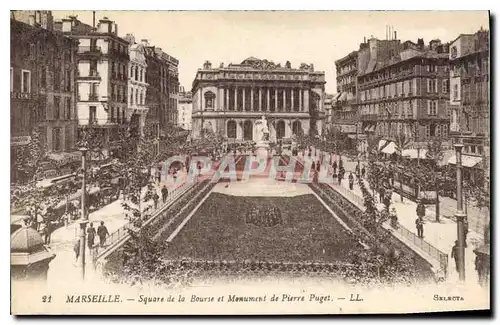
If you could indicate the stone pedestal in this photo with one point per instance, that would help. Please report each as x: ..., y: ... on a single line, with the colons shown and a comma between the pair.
x: 262, y: 149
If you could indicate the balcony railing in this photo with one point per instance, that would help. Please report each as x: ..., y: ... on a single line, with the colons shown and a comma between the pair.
x: 89, y: 50
x: 92, y: 75
x: 93, y: 98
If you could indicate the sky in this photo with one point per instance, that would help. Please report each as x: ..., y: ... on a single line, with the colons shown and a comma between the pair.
x: 318, y: 37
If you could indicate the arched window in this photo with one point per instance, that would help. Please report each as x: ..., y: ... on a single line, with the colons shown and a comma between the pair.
x: 136, y: 73
x: 231, y: 129
x: 247, y: 130
x: 296, y: 128
x: 280, y: 130
x: 209, y: 99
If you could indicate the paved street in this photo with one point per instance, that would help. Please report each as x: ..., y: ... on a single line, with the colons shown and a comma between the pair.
x: 63, y: 240
x: 441, y: 235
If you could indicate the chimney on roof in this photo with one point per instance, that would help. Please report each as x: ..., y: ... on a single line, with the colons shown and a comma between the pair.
x: 420, y: 44
x: 395, y: 35
x: 130, y: 38
x: 364, y: 39
x: 144, y: 42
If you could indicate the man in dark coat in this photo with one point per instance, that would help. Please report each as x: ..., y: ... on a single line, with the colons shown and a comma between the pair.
x: 363, y: 171
x: 102, y: 232
x: 91, y: 232
x: 334, y: 166
x: 454, y: 254
x: 351, y: 181
x: 164, y: 194
x: 419, y: 224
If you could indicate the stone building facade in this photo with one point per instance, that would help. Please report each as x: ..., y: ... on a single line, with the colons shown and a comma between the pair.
x: 228, y: 100
x: 102, y: 78
x: 137, y: 85
x: 470, y: 97
x: 42, y: 87
x: 406, y: 93
x: 185, y: 109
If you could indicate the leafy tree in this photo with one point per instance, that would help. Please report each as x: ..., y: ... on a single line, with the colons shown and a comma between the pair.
x: 402, y: 142
x: 28, y: 158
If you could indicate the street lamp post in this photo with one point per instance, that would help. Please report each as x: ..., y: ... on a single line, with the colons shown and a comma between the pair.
x: 460, y: 215
x: 84, y: 218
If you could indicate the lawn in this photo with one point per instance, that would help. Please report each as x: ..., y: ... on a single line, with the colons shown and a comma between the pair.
x: 218, y: 231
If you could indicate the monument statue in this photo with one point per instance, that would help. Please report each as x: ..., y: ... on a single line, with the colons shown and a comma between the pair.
x: 261, y: 130
x: 261, y: 136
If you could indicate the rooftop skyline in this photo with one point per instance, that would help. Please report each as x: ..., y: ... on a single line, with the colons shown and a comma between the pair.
x: 318, y: 37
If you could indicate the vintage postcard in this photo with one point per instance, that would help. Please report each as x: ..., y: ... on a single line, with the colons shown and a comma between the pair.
x: 240, y: 162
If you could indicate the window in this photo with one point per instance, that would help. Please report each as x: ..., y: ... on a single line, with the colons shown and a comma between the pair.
x: 140, y: 98
x: 67, y: 137
x: 32, y: 51
x: 43, y: 76
x: 92, y: 115
x: 131, y: 97
x: 432, y: 107
x: 57, y: 108
x: 67, y: 80
x: 11, y: 79
x: 56, y: 139
x: 25, y: 81
x: 432, y: 85
x: 231, y: 129
x: 68, y: 108
x: 209, y: 99
x: 137, y: 96
x: 445, y: 130
x: 455, y: 92
x: 446, y: 85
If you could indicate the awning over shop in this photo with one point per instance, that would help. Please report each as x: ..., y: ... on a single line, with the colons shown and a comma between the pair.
x: 390, y: 148
x: 381, y: 144
x: 343, y: 96
x: 414, y: 153
x: 467, y: 161
x: 352, y: 136
x: 372, y: 128
x: 447, y: 154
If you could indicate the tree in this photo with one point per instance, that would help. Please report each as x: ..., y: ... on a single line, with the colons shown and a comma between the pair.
x: 27, y: 159
x: 437, y: 178
x: 402, y: 142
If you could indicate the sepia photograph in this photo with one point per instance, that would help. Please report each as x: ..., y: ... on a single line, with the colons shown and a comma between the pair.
x: 249, y: 162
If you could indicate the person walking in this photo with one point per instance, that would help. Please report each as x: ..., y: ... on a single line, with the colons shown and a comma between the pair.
x: 156, y: 198
x: 76, y: 249
x: 351, y: 181
x: 91, y: 232
x: 419, y: 223
x: 363, y: 171
x: 454, y: 254
x: 356, y: 171
x: 102, y: 232
x: 420, y: 209
x: 334, y: 166
x: 164, y: 194
x: 394, y: 218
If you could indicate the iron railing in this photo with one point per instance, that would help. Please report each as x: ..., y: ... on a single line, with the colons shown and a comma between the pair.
x: 121, y: 232
x: 429, y: 249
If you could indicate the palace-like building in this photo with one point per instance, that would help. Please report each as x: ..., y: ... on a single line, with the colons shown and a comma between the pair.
x: 229, y: 99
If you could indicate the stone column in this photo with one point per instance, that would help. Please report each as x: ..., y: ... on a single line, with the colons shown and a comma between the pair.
x: 293, y: 90
x: 306, y: 100
x: 260, y: 99
x: 235, y: 98
x: 276, y: 99
x: 251, y: 100
x: 301, y: 107
x: 227, y: 99
x: 268, y: 99
x: 243, y: 94
x: 284, y: 99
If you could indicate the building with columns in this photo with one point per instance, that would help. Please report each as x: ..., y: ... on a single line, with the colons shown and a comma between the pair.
x: 228, y: 100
